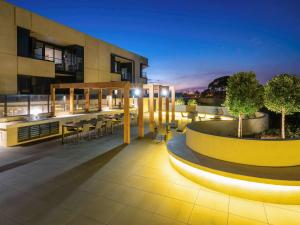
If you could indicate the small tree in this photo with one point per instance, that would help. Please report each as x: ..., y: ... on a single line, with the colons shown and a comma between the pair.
x: 282, y: 95
x: 244, y: 96
x: 180, y: 101
x: 192, y: 102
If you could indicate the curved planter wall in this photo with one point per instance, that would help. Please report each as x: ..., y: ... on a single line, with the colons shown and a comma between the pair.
x: 250, y: 152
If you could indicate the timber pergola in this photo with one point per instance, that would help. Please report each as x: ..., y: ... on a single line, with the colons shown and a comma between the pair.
x: 124, y: 87
x: 162, y: 91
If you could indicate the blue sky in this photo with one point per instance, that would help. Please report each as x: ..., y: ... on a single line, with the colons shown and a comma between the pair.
x: 189, y: 43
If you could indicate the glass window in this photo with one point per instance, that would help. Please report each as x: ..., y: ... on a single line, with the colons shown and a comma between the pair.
x: 49, y: 53
x: 38, y: 50
x: 57, y: 56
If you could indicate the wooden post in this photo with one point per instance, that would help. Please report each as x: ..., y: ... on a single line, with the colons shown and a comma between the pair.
x: 141, y: 114
x: 173, y: 102
x: 167, y: 108
x: 71, y: 100
x: 159, y: 106
x: 126, y: 114
x: 87, y: 99
x: 151, y: 108
x: 110, y: 99
x: 52, y: 101
x: 100, y: 100
x: 121, y: 98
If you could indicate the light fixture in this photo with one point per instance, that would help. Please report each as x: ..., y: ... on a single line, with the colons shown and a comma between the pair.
x: 164, y: 92
x: 245, y: 188
x: 137, y: 92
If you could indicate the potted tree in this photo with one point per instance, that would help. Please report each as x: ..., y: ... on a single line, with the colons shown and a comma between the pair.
x: 244, y: 96
x: 282, y: 95
x: 191, y: 105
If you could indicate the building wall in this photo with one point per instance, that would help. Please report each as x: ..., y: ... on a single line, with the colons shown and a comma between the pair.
x: 97, y: 53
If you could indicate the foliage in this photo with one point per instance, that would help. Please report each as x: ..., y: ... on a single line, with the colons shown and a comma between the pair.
x: 218, y: 84
x: 244, y: 95
x: 283, y: 93
x: 192, y: 102
x: 180, y: 101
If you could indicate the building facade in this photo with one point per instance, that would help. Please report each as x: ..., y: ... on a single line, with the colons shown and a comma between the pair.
x: 35, y: 52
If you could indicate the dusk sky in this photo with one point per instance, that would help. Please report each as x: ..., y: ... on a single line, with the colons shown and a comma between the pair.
x: 189, y: 43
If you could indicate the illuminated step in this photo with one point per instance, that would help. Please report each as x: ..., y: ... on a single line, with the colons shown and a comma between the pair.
x: 270, y: 184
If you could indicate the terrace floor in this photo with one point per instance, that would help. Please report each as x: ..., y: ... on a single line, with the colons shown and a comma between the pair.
x: 104, y: 182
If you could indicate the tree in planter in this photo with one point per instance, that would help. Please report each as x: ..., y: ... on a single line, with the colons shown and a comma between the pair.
x: 179, y: 101
x: 282, y: 95
x: 244, y: 96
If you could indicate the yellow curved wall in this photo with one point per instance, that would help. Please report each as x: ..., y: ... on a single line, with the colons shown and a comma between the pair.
x: 250, y: 152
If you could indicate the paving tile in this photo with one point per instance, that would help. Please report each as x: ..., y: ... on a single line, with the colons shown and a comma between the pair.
x: 102, y: 209
x: 83, y: 220
x: 202, y: 215
x: 213, y: 200
x: 4, y: 220
x: 54, y: 216
x: 249, y: 209
x: 238, y: 220
x: 130, y: 215
x: 279, y: 216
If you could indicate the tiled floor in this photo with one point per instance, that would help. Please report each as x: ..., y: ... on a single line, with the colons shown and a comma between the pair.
x: 86, y: 185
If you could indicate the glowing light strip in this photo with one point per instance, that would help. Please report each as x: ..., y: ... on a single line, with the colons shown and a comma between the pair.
x: 232, y: 182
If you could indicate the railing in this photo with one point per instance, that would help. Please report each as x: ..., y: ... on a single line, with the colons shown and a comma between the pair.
x: 20, y: 105
x: 25, y: 105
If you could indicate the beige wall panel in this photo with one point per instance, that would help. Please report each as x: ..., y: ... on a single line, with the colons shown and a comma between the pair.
x: 33, y: 67
x: 50, y: 31
x: 91, y: 53
x: 104, y: 76
x: 23, y: 18
x: 104, y: 56
x: 8, y: 74
x: 8, y: 39
x: 91, y: 75
x: 7, y: 29
x: 115, y: 77
x: 7, y: 13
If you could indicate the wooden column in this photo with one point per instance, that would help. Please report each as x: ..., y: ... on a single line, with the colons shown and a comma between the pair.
x: 110, y: 98
x: 151, y: 108
x: 159, y: 106
x: 173, y: 102
x: 141, y: 114
x: 71, y: 100
x: 52, y: 101
x: 121, y: 98
x: 126, y: 114
x: 87, y: 99
x: 100, y: 100
x: 167, y: 108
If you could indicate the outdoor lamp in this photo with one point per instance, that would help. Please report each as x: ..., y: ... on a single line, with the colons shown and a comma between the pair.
x: 137, y: 92
x: 164, y: 92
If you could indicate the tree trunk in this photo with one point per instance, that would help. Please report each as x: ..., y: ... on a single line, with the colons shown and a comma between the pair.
x: 240, y: 126
x: 283, y: 124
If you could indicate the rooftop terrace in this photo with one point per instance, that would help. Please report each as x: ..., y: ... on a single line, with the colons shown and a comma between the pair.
x: 105, y: 182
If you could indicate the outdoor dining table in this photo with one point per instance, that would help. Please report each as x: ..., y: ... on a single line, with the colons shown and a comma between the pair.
x: 75, y: 126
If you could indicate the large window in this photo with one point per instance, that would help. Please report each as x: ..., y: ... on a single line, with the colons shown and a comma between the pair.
x: 38, y: 50
x: 49, y: 53
x: 34, y: 85
x: 122, y: 66
x: 23, y: 42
